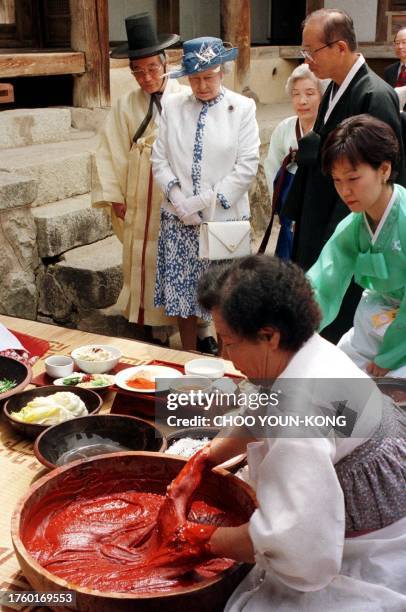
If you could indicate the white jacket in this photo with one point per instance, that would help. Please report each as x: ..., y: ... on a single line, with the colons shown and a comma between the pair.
x: 225, y: 158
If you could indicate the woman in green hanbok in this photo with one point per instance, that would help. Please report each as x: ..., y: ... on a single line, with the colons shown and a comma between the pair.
x: 361, y: 156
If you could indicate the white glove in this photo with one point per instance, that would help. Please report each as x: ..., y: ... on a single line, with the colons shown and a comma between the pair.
x: 175, y: 195
x: 186, y: 207
x: 193, y: 219
x: 177, y: 199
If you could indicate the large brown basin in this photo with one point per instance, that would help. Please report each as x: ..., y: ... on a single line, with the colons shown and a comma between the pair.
x: 223, y: 489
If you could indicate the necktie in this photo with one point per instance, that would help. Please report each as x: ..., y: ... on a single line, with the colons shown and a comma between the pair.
x: 401, y: 82
x: 155, y: 99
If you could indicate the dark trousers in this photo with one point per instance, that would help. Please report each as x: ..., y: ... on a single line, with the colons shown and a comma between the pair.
x: 345, y: 318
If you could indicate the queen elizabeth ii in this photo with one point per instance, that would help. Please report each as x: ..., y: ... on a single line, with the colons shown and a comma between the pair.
x: 204, y: 159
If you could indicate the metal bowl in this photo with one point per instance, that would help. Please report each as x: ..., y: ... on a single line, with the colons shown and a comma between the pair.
x: 90, y: 436
x: 395, y: 388
x: 14, y: 370
x: 146, y: 472
x: 232, y: 464
x: 14, y: 404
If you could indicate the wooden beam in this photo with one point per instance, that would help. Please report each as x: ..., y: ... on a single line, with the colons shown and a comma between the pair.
x: 90, y: 34
x: 236, y: 29
x: 17, y: 64
x: 368, y: 50
x: 6, y: 93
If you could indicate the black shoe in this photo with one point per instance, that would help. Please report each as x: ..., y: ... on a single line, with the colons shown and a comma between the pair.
x: 207, y: 345
x: 158, y: 342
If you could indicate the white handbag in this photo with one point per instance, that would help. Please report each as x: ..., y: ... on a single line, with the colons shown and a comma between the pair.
x: 224, y: 239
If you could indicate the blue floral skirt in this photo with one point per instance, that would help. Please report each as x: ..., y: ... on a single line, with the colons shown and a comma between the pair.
x: 179, y: 268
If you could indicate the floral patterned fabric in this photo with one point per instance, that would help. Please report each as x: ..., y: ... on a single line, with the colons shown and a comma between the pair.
x: 179, y: 268
x: 373, y: 476
x: 22, y: 356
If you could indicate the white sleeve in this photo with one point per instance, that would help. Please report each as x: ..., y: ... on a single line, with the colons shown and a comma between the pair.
x: 111, y: 157
x: 298, y: 529
x: 236, y: 184
x: 161, y: 168
x: 278, y: 149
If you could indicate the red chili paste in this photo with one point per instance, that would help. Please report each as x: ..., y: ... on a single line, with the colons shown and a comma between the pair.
x: 129, y: 540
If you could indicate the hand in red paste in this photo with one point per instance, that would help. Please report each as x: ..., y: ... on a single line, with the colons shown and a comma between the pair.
x: 177, y: 537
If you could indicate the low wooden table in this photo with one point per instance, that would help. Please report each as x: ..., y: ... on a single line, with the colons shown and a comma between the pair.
x: 18, y: 466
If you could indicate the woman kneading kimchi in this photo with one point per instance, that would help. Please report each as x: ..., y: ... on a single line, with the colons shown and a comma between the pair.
x: 361, y: 155
x: 204, y: 159
x: 329, y: 533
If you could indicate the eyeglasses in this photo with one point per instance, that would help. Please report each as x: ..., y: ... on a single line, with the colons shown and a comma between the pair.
x: 153, y: 71
x: 307, y: 55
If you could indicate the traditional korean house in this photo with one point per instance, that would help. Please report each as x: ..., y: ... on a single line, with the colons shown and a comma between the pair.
x: 64, y: 44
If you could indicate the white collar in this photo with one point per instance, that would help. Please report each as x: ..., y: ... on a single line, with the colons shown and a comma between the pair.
x: 294, y: 369
x: 351, y: 74
x: 374, y: 235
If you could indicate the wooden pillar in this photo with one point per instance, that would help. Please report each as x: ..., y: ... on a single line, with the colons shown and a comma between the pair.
x: 382, y: 21
x: 168, y: 17
x: 90, y: 34
x: 236, y: 29
x: 7, y: 12
x: 313, y: 5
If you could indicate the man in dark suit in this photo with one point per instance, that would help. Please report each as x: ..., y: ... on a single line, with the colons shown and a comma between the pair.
x: 330, y: 50
x: 395, y: 74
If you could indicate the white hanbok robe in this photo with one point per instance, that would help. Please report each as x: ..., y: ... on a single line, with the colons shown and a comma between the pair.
x: 282, y: 140
x: 122, y: 174
x: 303, y: 560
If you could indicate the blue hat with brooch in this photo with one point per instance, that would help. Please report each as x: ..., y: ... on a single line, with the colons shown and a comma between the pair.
x: 200, y: 54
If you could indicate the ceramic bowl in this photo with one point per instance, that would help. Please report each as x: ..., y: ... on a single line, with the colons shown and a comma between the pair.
x: 211, y: 368
x: 90, y: 436
x: 58, y: 366
x: 14, y: 404
x: 96, y: 367
x: 186, y: 384
x: 14, y: 370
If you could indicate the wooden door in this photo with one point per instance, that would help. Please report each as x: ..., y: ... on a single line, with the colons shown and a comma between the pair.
x: 34, y: 24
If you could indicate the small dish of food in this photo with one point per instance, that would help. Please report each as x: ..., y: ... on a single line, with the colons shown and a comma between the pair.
x: 96, y: 358
x: 186, y: 384
x: 186, y: 442
x: 14, y: 376
x: 142, y: 379
x: 86, y: 381
x: 209, y: 367
x: 59, y: 365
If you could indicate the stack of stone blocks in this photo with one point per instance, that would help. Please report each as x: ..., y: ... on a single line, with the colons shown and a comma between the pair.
x: 59, y: 260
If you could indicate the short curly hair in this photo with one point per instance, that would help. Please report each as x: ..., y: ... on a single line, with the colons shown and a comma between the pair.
x: 260, y: 291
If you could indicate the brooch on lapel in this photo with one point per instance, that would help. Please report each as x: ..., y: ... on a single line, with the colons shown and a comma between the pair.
x: 396, y: 246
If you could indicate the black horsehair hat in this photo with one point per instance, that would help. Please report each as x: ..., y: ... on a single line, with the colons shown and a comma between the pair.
x: 143, y: 41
